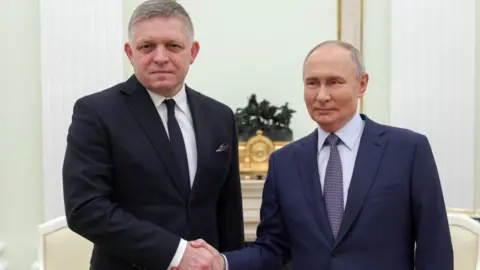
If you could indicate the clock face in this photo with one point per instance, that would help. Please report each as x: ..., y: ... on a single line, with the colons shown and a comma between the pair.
x: 260, y: 152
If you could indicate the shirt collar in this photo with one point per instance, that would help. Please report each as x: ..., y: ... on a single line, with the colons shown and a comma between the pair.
x: 180, y: 99
x: 348, y: 134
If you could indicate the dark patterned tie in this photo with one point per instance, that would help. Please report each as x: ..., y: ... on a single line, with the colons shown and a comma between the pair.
x: 333, y: 185
x: 178, y: 146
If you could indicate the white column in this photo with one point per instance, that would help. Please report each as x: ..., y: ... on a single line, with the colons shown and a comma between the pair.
x: 433, y: 85
x: 477, y: 107
x: 81, y: 53
x: 350, y: 28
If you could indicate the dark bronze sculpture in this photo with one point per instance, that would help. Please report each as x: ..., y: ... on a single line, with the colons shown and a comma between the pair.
x: 272, y: 120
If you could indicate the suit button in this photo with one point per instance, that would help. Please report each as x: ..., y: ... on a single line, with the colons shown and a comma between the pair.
x: 335, y: 253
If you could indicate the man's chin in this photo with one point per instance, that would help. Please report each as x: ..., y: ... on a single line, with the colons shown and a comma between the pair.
x: 163, y: 85
x: 324, y: 119
x: 327, y: 123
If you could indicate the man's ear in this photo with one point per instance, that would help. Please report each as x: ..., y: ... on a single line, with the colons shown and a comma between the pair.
x: 128, y: 50
x: 363, y: 85
x: 194, y: 51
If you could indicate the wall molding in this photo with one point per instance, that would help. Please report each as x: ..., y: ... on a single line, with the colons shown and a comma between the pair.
x: 350, y: 15
x: 3, y: 262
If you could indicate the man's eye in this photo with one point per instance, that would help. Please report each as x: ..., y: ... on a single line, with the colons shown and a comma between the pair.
x: 334, y: 81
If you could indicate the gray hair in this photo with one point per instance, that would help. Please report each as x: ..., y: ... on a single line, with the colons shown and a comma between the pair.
x: 356, y: 55
x: 159, y: 8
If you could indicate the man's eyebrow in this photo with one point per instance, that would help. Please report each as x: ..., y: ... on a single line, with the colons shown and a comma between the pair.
x: 328, y: 77
x: 335, y: 77
x: 144, y: 40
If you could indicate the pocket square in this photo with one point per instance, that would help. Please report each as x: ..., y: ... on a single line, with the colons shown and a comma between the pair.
x: 222, y: 147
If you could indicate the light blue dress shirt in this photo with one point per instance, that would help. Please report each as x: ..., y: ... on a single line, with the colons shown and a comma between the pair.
x: 350, y: 135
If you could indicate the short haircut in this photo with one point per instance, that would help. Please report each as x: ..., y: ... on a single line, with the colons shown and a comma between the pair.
x: 356, y: 55
x: 159, y: 8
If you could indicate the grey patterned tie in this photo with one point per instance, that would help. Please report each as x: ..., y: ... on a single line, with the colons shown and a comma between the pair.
x: 333, y: 185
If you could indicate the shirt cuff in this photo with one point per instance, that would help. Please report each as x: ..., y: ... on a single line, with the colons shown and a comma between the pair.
x: 226, y: 261
x: 177, y: 258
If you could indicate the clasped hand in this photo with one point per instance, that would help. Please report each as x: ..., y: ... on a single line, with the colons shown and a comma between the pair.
x: 199, y: 255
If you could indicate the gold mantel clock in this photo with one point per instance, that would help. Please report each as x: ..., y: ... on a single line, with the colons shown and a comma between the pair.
x: 254, y: 154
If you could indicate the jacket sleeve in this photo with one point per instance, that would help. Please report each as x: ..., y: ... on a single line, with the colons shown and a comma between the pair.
x: 433, y: 242
x: 91, y: 209
x: 271, y: 249
x: 230, y: 208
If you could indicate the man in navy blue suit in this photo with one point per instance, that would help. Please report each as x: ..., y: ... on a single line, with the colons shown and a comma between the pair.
x: 352, y: 195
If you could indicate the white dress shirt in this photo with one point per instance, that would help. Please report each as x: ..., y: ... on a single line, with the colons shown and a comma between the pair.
x: 349, y: 135
x: 185, y: 120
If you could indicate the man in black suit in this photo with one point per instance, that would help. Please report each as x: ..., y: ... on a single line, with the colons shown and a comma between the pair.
x: 150, y: 163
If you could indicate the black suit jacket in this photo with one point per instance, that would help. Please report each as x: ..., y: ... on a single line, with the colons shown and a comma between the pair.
x: 121, y: 183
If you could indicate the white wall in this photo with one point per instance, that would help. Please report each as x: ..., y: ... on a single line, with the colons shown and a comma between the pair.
x: 128, y: 7
x: 423, y: 51
x: 20, y: 133
x: 376, y: 54
x: 81, y: 53
x: 433, y: 85
x: 252, y: 46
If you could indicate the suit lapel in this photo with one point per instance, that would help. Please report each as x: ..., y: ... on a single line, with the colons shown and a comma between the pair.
x: 370, y: 152
x: 308, y: 168
x: 147, y: 116
x: 202, y: 120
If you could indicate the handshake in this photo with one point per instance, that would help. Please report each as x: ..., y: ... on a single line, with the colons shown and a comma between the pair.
x: 199, y: 255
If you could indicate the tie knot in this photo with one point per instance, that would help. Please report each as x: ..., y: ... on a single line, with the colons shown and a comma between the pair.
x: 332, y: 139
x: 170, y: 103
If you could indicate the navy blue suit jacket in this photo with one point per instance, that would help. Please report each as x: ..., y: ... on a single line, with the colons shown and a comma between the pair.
x: 394, y: 202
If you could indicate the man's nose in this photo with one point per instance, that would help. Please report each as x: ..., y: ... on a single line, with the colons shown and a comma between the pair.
x: 323, y: 94
x: 161, y: 56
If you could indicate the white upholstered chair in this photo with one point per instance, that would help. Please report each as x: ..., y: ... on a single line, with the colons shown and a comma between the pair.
x: 465, y: 233
x: 60, y: 248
